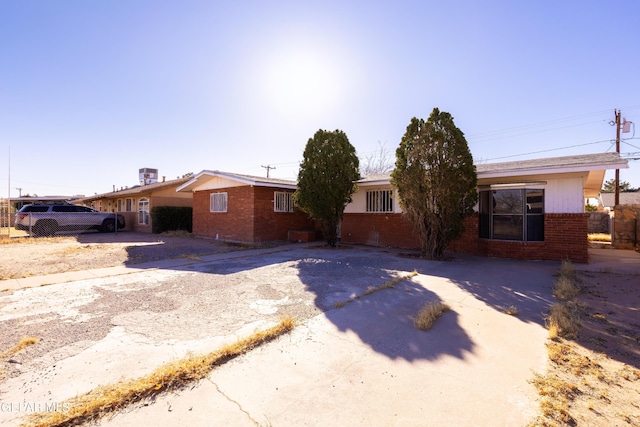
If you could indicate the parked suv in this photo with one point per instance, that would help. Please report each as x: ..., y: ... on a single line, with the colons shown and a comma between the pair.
x: 46, y: 219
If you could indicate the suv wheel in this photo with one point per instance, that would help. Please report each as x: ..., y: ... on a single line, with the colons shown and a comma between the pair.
x: 108, y: 226
x: 44, y: 228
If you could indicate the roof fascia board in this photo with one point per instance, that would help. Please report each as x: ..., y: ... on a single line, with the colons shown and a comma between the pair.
x: 551, y: 170
x: 244, y: 180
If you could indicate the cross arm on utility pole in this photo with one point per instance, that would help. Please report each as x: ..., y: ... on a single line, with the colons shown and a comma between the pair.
x: 268, y: 168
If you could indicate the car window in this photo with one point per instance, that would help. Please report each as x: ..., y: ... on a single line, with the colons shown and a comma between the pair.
x: 64, y: 208
x: 84, y: 209
x: 34, y: 209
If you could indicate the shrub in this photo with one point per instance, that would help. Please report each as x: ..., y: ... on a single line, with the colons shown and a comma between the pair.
x: 170, y: 218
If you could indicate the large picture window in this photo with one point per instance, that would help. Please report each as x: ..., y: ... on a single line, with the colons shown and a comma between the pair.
x: 282, y: 201
x: 380, y: 201
x: 218, y: 202
x: 512, y: 214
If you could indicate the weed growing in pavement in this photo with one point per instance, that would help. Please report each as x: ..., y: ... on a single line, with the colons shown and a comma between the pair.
x: 565, y: 288
x: 389, y: 284
x: 429, y: 314
x: 564, y: 320
x: 22, y: 344
x: 512, y: 310
x: 171, y: 376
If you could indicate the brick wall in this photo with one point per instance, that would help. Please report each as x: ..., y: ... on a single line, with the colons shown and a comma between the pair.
x: 565, y: 237
x: 378, y: 229
x: 249, y: 218
x: 236, y: 224
x: 271, y: 225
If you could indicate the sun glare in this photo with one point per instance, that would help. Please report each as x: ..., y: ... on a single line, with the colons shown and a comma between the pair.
x: 302, y: 83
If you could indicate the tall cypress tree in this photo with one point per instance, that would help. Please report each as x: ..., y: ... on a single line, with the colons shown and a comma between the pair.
x: 436, y: 180
x: 327, y: 179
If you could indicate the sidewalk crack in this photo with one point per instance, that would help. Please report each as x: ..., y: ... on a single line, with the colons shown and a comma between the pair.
x: 255, y: 422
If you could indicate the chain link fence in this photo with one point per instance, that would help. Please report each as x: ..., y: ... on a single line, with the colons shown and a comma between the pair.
x: 46, y: 220
x: 6, y: 218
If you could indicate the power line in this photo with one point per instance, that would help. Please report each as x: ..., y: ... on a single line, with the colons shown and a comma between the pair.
x: 551, y: 149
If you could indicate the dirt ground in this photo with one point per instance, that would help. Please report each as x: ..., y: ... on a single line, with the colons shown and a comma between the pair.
x: 24, y: 257
x: 605, y: 385
x: 594, y: 379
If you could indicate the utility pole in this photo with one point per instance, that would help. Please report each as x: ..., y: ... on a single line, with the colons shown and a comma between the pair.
x: 268, y: 168
x: 19, y: 191
x: 617, y: 196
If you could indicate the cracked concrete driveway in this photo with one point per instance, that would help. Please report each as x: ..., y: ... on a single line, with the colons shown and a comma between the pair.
x: 363, y: 364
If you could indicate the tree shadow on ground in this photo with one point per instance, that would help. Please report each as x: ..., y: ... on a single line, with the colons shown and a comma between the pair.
x: 504, y: 283
x: 611, y: 323
x: 383, y: 320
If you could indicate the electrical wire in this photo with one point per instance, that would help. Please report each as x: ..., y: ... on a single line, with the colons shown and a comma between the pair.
x: 553, y: 149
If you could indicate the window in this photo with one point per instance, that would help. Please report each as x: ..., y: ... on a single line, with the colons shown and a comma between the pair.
x: 512, y: 214
x: 143, y: 211
x: 282, y: 201
x: 119, y: 209
x: 128, y: 205
x: 380, y: 201
x: 218, y: 202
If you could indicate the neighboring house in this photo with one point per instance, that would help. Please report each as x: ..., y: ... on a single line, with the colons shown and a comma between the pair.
x: 607, y: 200
x: 244, y: 208
x: 530, y: 209
x: 135, y: 203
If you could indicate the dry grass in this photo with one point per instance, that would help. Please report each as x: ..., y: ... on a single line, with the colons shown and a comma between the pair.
x: 599, y: 237
x: 389, y: 284
x: 567, y: 270
x: 565, y: 286
x: 429, y: 314
x: 24, y: 343
x: 564, y: 320
x: 171, y: 376
x: 556, y: 396
x: 32, y: 240
x: 511, y: 310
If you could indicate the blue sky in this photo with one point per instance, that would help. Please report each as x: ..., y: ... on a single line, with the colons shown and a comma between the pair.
x: 91, y: 91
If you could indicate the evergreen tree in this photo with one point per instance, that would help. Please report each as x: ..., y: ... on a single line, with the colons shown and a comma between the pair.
x: 436, y: 180
x: 326, y: 180
x: 610, y: 187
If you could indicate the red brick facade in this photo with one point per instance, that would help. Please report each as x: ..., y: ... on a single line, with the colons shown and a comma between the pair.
x: 565, y: 237
x: 378, y: 229
x: 250, y: 216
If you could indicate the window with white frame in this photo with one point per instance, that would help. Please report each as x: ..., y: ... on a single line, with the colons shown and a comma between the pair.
x: 128, y: 205
x: 282, y: 201
x: 380, y: 201
x: 218, y: 202
x: 143, y: 211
